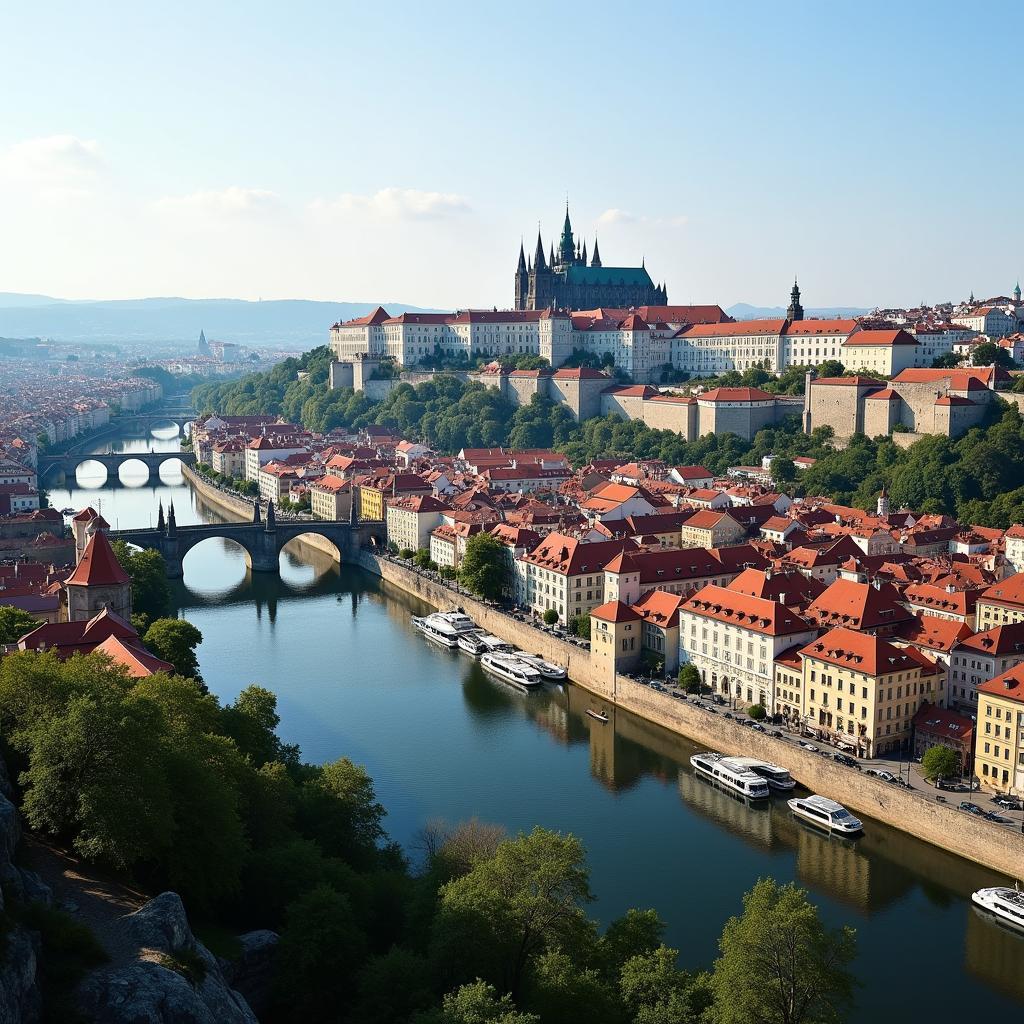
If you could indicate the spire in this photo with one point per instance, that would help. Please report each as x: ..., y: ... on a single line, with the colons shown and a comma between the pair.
x: 172, y: 525
x: 566, y: 246
x: 521, y: 268
x: 583, y: 259
x: 552, y: 254
x: 795, y: 311
x: 1016, y: 292
x: 538, y: 256
x: 160, y: 525
x: 596, y: 261
x: 256, y: 512
x: 271, y: 523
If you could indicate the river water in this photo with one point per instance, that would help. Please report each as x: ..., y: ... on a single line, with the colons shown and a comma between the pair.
x: 442, y: 740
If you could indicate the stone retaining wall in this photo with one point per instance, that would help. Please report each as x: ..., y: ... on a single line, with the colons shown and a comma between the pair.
x: 944, y: 825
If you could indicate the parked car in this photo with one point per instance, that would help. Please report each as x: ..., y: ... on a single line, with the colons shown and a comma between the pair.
x: 809, y: 746
x: 718, y: 698
x: 845, y: 759
x: 881, y: 773
x: 712, y: 709
x: 729, y: 715
x: 757, y: 727
x: 1000, y: 819
x: 1011, y: 803
x: 778, y: 734
x: 966, y: 805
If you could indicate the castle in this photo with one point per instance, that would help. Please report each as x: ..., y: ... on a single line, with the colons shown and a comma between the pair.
x: 563, y: 280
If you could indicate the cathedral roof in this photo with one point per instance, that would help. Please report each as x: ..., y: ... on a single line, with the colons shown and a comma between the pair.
x: 99, y: 566
x: 609, y: 276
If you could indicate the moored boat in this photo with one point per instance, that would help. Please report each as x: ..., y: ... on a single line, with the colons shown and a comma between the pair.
x: 548, y: 669
x: 1002, y: 902
x: 826, y: 814
x: 512, y: 670
x: 443, y: 628
x: 470, y: 643
x: 776, y: 776
x: 735, y: 777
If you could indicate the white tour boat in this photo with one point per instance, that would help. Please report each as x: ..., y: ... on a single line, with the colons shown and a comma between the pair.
x: 444, y: 628
x: 548, y: 669
x: 512, y: 670
x: 1005, y: 903
x: 776, y: 777
x: 826, y: 814
x: 495, y: 645
x: 471, y: 642
x: 732, y: 776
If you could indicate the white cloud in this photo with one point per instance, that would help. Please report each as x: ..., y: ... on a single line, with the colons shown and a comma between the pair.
x: 229, y: 202
x: 397, y: 204
x: 54, y: 168
x: 617, y: 216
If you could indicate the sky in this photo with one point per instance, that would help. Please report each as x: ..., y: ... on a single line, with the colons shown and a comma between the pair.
x: 400, y: 151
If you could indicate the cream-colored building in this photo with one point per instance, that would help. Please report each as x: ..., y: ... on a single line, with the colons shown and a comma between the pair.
x: 863, y: 691
x: 733, y: 640
x: 330, y: 497
x: 710, y: 529
x: 1013, y: 540
x: 882, y: 352
x: 1001, y: 603
x: 566, y: 574
x: 411, y: 520
x: 999, y: 733
x: 615, y: 639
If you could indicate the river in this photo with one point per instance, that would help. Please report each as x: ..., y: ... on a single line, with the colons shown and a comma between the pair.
x: 442, y: 740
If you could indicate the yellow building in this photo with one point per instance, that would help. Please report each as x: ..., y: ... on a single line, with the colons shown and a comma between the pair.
x: 330, y: 497
x: 999, y: 733
x: 710, y: 529
x: 616, y: 639
x: 1001, y: 603
x: 860, y: 690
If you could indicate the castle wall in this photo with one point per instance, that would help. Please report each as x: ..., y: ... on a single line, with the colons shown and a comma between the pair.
x: 880, y: 416
x: 678, y: 416
x: 840, y: 407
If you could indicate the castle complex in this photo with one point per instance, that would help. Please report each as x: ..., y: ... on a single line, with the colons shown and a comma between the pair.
x: 564, y: 280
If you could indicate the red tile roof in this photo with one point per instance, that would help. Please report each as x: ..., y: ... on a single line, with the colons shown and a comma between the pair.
x: 99, y: 566
x: 862, y: 652
x: 615, y: 611
x: 858, y: 606
x: 754, y: 613
x: 880, y: 338
x: 1009, y: 685
x: 735, y: 395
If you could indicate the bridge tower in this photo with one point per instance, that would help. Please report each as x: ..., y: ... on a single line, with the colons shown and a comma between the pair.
x: 98, y: 582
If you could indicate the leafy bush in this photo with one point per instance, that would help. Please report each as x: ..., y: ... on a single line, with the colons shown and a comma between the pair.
x: 187, y: 962
x: 550, y: 616
x: 939, y: 761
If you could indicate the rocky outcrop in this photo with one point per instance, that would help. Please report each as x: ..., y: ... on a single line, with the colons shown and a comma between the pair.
x: 173, y: 978
x: 19, y: 992
x: 251, y: 971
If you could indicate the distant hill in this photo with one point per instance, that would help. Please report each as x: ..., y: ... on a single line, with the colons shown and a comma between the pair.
x: 288, y: 323
x: 744, y: 311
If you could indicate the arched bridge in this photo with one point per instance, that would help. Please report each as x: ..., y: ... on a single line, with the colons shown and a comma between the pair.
x: 262, y: 541
x: 113, y: 462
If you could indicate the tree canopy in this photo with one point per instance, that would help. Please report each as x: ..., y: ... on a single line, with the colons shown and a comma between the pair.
x: 15, y: 623
x: 484, y: 566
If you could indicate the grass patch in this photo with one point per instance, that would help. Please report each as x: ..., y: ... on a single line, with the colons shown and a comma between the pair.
x: 69, y: 952
x: 187, y: 962
x: 222, y: 942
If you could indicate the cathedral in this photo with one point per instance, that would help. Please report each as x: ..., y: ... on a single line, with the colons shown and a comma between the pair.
x: 564, y: 280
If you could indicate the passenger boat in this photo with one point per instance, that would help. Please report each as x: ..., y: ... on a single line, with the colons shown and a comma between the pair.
x: 470, y: 643
x: 548, y: 669
x: 826, y: 814
x: 444, y: 628
x: 1002, y: 902
x: 512, y: 670
x: 495, y: 644
x: 776, y: 777
x: 732, y: 776
x: 600, y: 716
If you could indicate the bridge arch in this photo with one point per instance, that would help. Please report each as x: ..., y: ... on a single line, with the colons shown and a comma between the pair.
x: 322, y: 553
x: 204, y: 574
x: 86, y: 472
x: 127, y: 472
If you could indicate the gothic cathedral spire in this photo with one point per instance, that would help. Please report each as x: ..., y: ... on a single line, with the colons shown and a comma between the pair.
x: 596, y: 261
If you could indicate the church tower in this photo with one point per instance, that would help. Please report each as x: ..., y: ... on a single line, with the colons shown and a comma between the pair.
x: 795, y: 311
x: 522, y: 280
x: 1016, y: 293
x: 566, y: 246
x: 98, y: 582
x: 540, y: 289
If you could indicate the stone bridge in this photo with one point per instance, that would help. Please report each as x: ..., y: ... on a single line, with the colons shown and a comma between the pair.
x: 262, y: 541
x: 113, y: 462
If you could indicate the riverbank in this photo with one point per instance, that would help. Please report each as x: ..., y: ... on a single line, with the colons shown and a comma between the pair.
x: 942, y: 825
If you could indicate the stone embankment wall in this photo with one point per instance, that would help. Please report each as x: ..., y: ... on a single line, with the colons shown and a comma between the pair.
x: 944, y: 825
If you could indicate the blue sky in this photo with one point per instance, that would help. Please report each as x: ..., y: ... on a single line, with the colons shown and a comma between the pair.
x: 399, y: 150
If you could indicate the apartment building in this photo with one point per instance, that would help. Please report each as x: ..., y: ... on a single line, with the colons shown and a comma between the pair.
x: 412, y: 519
x: 1001, y: 603
x: 733, y: 640
x: 566, y: 574
x: 980, y: 657
x: 999, y: 733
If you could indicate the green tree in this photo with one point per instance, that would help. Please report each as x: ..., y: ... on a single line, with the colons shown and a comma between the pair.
x: 423, y: 560
x: 484, y: 566
x: 655, y: 991
x: 151, y: 595
x: 476, y: 1003
x: 939, y: 761
x: 15, y: 623
x: 689, y: 679
x: 251, y: 722
x: 318, y: 958
x: 528, y: 898
x: 756, y: 712
x: 176, y: 640
x: 988, y: 353
x: 779, y: 964
x: 783, y: 470
x: 550, y: 616
x: 946, y: 361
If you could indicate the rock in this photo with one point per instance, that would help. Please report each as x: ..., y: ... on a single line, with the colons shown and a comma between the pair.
x: 5, y: 781
x: 10, y: 830
x: 251, y: 972
x: 146, y: 991
x: 20, y: 1001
